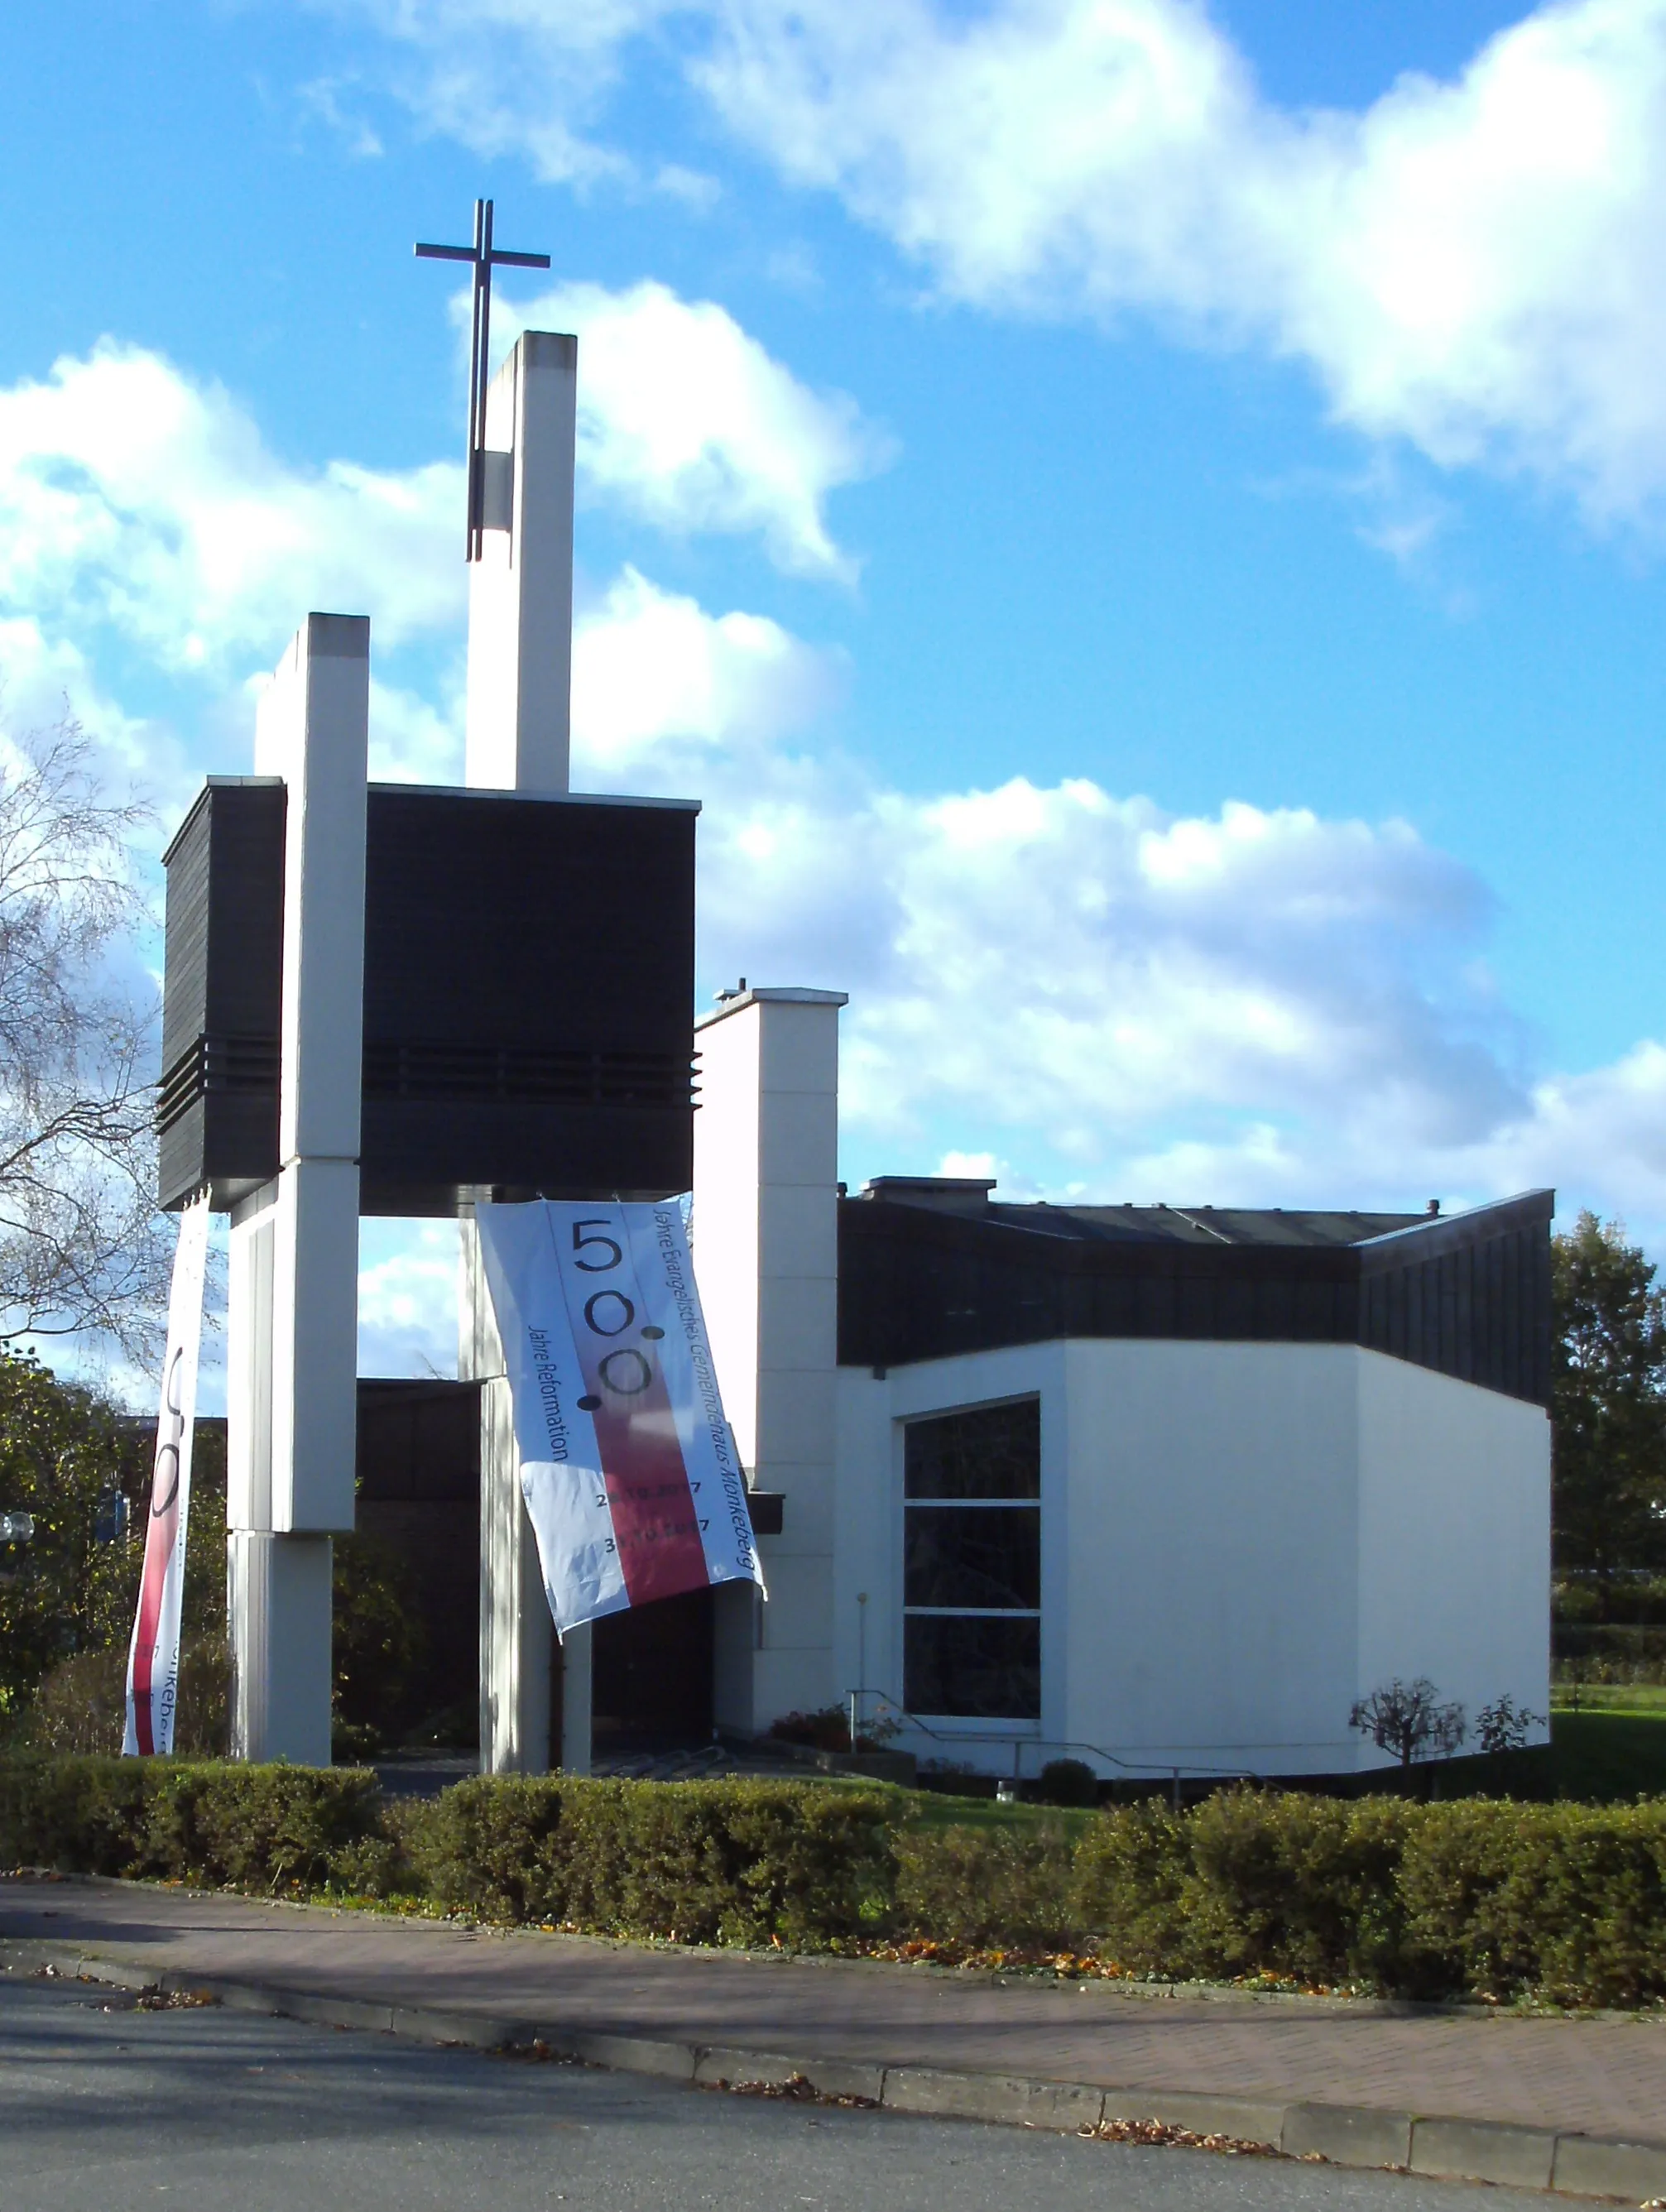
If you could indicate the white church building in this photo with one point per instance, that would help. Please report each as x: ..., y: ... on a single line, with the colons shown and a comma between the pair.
x: 1163, y: 1490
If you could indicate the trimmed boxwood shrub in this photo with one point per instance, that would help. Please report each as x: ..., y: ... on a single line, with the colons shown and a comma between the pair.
x: 1564, y: 1902
x: 1297, y: 1885
x: 217, y: 1824
x: 698, y: 1861
x: 993, y: 1888
x: 1482, y: 1897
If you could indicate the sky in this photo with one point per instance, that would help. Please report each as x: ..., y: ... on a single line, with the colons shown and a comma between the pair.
x: 1143, y: 522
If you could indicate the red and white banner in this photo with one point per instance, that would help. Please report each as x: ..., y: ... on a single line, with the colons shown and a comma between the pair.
x: 628, y: 1466
x: 153, y: 1657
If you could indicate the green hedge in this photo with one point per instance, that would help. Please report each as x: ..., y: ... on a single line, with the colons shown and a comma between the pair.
x: 217, y: 1826
x: 1482, y: 1897
x: 698, y: 1861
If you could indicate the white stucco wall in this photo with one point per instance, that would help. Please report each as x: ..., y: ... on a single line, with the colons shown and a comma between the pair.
x: 1213, y: 1512
x: 1237, y: 1539
x: 1454, y: 1540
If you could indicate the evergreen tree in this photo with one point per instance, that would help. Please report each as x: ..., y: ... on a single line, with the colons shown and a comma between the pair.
x: 1609, y: 1407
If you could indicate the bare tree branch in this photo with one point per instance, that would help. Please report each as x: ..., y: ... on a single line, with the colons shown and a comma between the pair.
x: 83, y: 1247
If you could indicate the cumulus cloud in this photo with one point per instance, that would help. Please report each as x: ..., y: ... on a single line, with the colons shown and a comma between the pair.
x: 1091, y: 970
x: 656, y: 677
x: 1473, y: 265
x: 688, y: 423
x: 135, y: 500
x: 46, y: 680
x: 659, y: 685
x: 138, y: 501
x: 408, y: 1297
x: 530, y: 76
x: 1255, y: 1007
x: 412, y: 740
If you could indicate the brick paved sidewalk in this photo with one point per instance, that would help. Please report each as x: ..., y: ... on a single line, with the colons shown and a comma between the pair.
x: 1604, y: 2076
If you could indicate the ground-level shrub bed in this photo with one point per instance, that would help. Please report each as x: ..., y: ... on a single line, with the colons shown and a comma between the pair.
x: 1481, y: 1898
x: 740, y: 1862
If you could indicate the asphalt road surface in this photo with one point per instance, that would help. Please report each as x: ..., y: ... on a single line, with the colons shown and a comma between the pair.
x: 105, y: 2105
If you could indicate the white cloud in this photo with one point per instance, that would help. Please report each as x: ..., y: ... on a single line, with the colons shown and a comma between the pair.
x: 1091, y: 971
x: 1254, y: 1003
x: 1476, y: 265
x: 1473, y: 265
x: 137, y: 501
x: 1085, y: 994
x: 523, y: 75
x: 686, y: 422
x: 1255, y: 1007
x: 321, y: 102
x: 408, y: 1297
x: 45, y: 681
x: 134, y: 499
x: 412, y: 740
x: 654, y: 676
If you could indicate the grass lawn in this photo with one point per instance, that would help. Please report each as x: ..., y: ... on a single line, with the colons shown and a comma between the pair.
x: 1603, y: 1698
x: 1612, y: 1750
x: 934, y: 1810
x: 1614, y: 1747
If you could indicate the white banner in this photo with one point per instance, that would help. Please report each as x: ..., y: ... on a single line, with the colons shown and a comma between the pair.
x: 153, y: 1657
x: 627, y: 1465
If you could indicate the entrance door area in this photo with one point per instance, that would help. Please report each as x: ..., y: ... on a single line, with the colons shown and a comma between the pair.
x: 652, y: 1676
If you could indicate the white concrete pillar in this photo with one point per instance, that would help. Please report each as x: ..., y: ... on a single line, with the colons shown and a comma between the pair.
x: 294, y: 1288
x: 520, y: 589
x: 765, y: 1238
x: 278, y: 1591
x: 519, y: 687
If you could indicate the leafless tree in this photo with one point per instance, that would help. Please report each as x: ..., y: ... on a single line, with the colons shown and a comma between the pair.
x: 1407, y: 1719
x: 82, y: 1249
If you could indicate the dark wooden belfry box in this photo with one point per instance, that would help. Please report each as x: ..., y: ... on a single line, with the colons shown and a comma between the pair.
x: 528, y: 996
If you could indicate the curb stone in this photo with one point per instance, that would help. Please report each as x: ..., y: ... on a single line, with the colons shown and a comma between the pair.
x: 1484, y: 2150
x: 1348, y: 2135
x: 722, y: 2067
x: 1015, y: 2100
x: 1567, y: 2163
x: 1242, y: 2118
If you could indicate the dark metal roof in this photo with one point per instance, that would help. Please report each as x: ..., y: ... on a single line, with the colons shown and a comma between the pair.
x: 1206, y: 1225
x: 1327, y: 1229
x: 927, y: 1272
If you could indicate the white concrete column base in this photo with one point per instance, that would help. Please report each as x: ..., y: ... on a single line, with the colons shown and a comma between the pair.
x: 278, y: 1609
x: 515, y: 1628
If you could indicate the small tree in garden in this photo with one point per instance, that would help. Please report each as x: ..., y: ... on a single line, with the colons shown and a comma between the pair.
x: 1407, y: 1719
x: 1503, y: 1725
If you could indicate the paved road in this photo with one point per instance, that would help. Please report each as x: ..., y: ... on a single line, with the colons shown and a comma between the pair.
x: 1605, y: 2076
x: 103, y: 2105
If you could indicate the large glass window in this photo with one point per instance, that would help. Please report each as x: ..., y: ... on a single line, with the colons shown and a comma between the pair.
x: 971, y: 1563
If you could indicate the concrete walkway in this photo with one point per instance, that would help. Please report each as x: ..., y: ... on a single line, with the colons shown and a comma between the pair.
x: 1163, y: 2054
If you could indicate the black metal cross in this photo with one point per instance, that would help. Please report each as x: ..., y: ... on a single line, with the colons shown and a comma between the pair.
x: 485, y: 258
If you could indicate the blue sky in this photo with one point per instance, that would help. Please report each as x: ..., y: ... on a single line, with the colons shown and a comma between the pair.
x: 1142, y: 522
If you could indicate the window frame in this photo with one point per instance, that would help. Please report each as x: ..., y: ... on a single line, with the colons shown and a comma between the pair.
x: 1004, y: 1724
